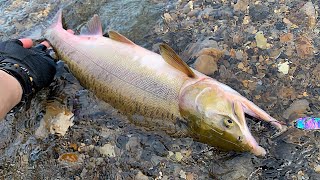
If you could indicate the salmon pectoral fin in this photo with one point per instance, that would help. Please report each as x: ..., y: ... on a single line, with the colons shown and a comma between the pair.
x: 119, y: 37
x: 93, y: 27
x: 253, y: 110
x: 172, y: 58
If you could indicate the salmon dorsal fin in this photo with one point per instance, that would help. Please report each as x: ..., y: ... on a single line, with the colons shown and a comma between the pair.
x: 119, y: 37
x: 171, y: 57
x: 93, y: 27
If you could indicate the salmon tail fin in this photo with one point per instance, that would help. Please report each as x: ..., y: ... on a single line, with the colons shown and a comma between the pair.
x: 57, y: 20
x: 93, y: 27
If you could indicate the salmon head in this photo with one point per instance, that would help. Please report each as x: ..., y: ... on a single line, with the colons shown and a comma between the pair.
x: 216, y: 117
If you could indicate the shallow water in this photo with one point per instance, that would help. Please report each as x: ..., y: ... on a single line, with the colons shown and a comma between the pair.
x: 138, y: 153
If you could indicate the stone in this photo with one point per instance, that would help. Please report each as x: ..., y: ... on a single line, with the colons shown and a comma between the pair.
x: 241, y: 5
x: 310, y: 11
x: 298, y: 107
x: 283, y: 67
x: 167, y: 17
x: 304, y: 47
x: 258, y: 12
x: 57, y: 120
x: 287, y: 37
x: 206, y: 64
x: 182, y: 174
x: 141, y: 176
x: 178, y: 156
x: 280, y: 26
x: 317, y: 169
x: 261, y: 40
x: 107, y: 150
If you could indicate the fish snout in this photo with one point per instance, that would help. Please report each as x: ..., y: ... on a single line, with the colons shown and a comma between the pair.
x: 258, y: 151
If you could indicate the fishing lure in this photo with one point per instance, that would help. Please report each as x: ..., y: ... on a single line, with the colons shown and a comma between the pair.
x: 308, y: 123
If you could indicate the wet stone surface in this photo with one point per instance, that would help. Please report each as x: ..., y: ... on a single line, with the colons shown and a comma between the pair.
x: 270, y: 55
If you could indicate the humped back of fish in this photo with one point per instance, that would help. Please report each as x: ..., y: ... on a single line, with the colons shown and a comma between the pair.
x: 129, y: 77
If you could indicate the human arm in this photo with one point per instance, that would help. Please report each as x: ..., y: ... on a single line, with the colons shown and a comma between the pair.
x: 23, y: 72
x: 10, y: 93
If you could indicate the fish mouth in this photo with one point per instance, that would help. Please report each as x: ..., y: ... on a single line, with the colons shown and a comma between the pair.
x: 216, y: 139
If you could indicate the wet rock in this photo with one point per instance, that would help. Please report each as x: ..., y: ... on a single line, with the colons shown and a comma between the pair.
x: 317, y: 169
x: 141, y: 176
x: 310, y: 11
x: 241, y: 5
x: 133, y: 143
x: 286, y: 37
x: 193, y: 49
x: 188, y: 7
x: 69, y: 157
x: 107, y: 150
x: 183, y: 174
x: 122, y: 141
x: 261, y: 40
x: 280, y: 25
x: 259, y: 12
x: 178, y: 156
x: 304, y: 47
x: 283, y: 67
x: 206, y: 64
x: 298, y: 107
x: 229, y: 169
x: 155, y: 160
x: 57, y: 120
x: 167, y: 17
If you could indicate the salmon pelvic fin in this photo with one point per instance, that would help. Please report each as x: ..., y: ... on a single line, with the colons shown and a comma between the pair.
x: 119, y: 37
x: 172, y: 58
x: 93, y: 27
x: 57, y: 20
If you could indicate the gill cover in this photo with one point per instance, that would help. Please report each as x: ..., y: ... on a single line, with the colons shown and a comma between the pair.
x: 216, y: 120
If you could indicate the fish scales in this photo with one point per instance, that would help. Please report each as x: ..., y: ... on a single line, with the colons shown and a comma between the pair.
x: 119, y: 78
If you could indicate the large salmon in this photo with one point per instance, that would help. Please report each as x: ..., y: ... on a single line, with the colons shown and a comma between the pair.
x: 157, y: 91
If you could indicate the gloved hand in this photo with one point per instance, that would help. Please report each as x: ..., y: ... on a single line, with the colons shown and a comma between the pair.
x: 32, y: 67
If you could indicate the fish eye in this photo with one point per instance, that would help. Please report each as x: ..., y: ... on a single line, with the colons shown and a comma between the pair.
x: 228, y: 123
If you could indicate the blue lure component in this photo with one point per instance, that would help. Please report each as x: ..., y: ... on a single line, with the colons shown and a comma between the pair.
x: 308, y: 123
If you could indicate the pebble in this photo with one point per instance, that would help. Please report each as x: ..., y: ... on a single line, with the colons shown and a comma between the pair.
x: 188, y: 7
x: 317, y: 169
x: 241, y: 5
x: 287, y: 37
x: 206, y: 64
x: 283, y: 67
x: 132, y: 144
x: 167, y: 17
x: 304, y: 47
x: 178, y: 156
x: 246, y: 20
x: 261, y: 40
x: 310, y: 11
x: 239, y: 54
x: 69, y: 157
x: 141, y: 176
x: 183, y: 174
x: 107, y: 150
x: 280, y: 25
x: 259, y: 12
x: 297, y: 107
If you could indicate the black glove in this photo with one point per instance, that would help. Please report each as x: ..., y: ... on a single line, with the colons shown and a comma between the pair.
x: 33, y: 68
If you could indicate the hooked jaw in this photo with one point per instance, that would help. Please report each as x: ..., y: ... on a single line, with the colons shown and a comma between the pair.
x: 216, y: 115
